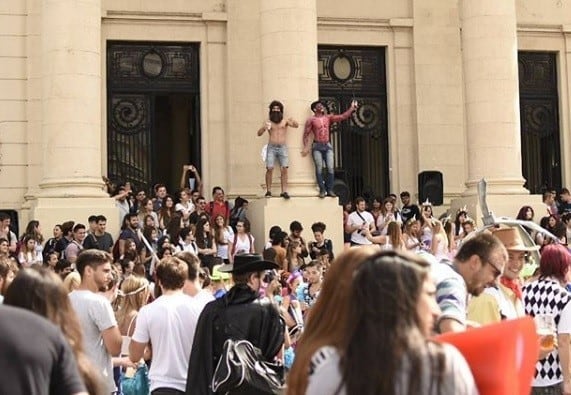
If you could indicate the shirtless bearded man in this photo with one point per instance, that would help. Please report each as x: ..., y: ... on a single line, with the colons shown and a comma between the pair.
x: 277, y: 127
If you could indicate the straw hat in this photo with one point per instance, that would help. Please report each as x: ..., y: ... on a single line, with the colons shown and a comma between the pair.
x: 512, y: 240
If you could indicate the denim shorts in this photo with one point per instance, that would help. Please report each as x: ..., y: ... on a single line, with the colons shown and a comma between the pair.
x: 278, y: 151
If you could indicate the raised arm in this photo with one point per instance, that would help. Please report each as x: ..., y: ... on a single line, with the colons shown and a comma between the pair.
x: 346, y: 114
x: 199, y: 185
x: 183, y: 177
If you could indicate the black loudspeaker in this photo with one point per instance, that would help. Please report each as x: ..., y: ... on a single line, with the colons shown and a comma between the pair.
x: 431, y: 187
x: 341, y: 189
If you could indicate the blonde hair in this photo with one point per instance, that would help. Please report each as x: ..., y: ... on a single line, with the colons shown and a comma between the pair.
x: 133, y: 296
x: 72, y: 281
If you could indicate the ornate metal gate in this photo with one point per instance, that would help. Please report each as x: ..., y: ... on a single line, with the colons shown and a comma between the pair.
x: 137, y: 73
x: 539, y: 101
x: 361, y: 143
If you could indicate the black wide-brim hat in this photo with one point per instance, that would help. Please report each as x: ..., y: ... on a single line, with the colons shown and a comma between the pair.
x: 248, y: 263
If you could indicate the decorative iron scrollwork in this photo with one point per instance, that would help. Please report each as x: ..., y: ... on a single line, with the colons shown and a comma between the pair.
x: 129, y: 114
x: 538, y: 118
x: 153, y: 67
x: 360, y: 143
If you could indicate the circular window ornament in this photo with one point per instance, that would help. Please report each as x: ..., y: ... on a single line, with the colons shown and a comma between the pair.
x: 342, y: 67
x: 152, y: 64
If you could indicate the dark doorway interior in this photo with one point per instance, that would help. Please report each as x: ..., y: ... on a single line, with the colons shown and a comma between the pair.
x: 539, y: 113
x: 153, y: 109
x: 175, y: 138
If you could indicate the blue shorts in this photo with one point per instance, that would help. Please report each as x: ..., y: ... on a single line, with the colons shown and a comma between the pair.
x: 278, y: 151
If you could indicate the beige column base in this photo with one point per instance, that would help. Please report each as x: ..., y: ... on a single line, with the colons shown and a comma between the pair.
x: 267, y: 212
x: 498, y: 186
x: 51, y: 211
x: 499, y: 205
x: 72, y: 187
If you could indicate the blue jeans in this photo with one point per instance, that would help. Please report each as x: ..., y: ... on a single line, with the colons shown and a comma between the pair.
x: 323, y: 155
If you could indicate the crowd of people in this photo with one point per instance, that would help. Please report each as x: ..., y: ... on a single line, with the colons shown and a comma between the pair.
x: 183, y: 276
x: 168, y: 304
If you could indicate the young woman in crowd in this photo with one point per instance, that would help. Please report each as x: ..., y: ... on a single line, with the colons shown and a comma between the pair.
x: 50, y: 300
x: 35, y: 232
x: 326, y: 323
x: 294, y: 258
x: 29, y: 254
x: 461, y: 216
x: 451, y: 239
x: 393, y: 240
x: 223, y: 236
x: 131, y: 251
x: 343, y: 356
x: 152, y: 235
x: 548, y: 295
x: 308, y: 293
x: 51, y: 243
x: 185, y: 206
x: 166, y: 212
x: 145, y: 210
x: 243, y: 241
x: 426, y: 226
x: 439, y: 244
x: 525, y: 213
x: 206, y: 244
x: 291, y: 308
x: 552, y: 224
x: 411, y: 235
x: 388, y: 215
x: 134, y: 295
x: 174, y: 227
x: 320, y: 243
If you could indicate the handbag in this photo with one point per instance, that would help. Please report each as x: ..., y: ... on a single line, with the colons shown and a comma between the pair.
x: 243, y: 370
x: 139, y: 383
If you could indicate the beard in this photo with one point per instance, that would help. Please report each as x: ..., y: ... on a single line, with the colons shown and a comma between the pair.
x: 276, y: 116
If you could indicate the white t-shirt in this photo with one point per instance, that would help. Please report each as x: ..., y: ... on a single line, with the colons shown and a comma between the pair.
x: 169, y: 324
x: 222, y: 249
x: 325, y: 374
x: 203, y: 298
x: 95, y: 316
x: 355, y: 219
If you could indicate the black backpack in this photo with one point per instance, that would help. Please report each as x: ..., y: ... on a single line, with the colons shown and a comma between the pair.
x: 242, y: 369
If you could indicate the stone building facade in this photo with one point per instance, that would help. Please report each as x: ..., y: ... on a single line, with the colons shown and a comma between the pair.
x: 440, y: 82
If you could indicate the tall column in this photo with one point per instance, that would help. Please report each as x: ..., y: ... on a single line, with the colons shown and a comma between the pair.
x: 71, y: 98
x: 288, y: 42
x: 489, y: 42
x: 289, y: 74
x: 71, y: 184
